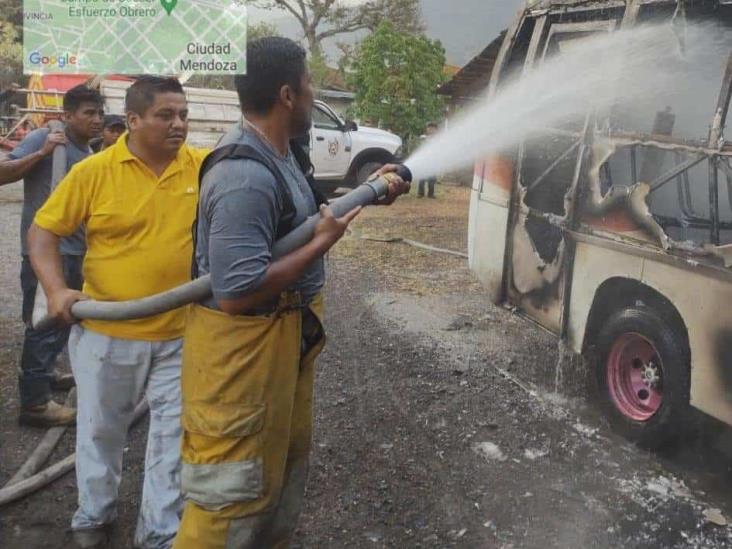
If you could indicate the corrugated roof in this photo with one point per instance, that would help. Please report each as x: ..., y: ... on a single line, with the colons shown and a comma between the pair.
x: 475, y: 75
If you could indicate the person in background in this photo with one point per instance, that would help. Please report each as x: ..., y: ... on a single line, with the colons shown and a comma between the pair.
x: 32, y: 161
x: 114, y: 126
x: 430, y: 181
x: 138, y: 200
x: 23, y: 130
x: 6, y: 96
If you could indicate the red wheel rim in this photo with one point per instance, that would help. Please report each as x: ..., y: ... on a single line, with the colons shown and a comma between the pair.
x: 635, y: 377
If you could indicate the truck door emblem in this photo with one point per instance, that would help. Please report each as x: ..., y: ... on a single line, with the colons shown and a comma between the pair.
x: 333, y: 147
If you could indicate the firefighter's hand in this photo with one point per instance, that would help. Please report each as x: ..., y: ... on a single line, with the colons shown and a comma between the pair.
x: 397, y: 186
x: 53, y: 139
x: 59, y: 305
x: 330, y: 229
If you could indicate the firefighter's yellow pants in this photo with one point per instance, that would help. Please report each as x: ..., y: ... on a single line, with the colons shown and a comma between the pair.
x: 247, y: 425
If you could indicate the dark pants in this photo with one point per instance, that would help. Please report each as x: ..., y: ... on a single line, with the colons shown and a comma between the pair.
x: 41, y: 348
x: 430, y: 187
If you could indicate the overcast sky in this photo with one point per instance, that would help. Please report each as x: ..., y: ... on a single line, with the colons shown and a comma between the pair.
x: 465, y: 27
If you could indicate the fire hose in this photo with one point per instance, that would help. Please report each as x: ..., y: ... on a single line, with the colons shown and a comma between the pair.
x: 30, y: 481
x: 200, y: 289
x: 22, y: 484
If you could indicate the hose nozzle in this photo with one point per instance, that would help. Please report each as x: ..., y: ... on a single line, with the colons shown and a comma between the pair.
x: 404, y: 172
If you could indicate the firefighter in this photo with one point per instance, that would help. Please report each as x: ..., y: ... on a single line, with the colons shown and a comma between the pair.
x: 249, y: 351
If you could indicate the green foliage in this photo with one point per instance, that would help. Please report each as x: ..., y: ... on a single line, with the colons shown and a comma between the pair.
x: 318, y: 69
x: 11, y: 55
x: 261, y: 30
x: 396, y: 76
x: 11, y: 11
x: 11, y: 45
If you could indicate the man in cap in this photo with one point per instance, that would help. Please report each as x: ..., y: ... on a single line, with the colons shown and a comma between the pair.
x: 114, y: 126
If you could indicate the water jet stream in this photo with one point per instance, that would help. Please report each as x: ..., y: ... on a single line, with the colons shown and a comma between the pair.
x: 597, y: 74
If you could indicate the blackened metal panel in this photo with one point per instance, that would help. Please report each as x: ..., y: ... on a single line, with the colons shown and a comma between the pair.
x: 573, y: 222
x: 720, y: 117
x: 714, y: 199
x: 504, y: 52
x: 534, y: 43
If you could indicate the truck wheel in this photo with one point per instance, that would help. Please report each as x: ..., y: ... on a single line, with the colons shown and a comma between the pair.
x: 643, y: 376
x: 366, y: 169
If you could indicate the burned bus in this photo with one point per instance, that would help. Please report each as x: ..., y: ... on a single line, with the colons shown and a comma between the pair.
x: 616, y: 235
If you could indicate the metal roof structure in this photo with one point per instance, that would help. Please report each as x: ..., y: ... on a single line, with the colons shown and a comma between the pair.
x: 475, y: 75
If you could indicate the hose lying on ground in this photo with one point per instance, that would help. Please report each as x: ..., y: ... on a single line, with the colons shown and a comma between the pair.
x: 37, y: 481
x: 31, y: 484
x: 396, y: 239
x: 49, y: 441
x: 196, y: 290
x: 200, y: 289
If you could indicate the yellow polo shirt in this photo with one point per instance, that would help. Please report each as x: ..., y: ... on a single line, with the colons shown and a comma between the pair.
x: 138, y: 231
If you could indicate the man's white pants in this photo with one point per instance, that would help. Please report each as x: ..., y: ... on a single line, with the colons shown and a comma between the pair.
x: 111, y: 376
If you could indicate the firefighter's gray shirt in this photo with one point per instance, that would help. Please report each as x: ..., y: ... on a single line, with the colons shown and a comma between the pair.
x: 37, y: 187
x: 238, y: 212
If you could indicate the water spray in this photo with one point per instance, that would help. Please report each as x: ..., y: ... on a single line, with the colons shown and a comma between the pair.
x: 197, y: 290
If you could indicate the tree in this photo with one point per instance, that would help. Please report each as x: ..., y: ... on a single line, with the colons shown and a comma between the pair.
x: 260, y: 30
x: 396, y: 76
x: 11, y: 44
x: 12, y: 11
x: 321, y: 19
x: 11, y: 55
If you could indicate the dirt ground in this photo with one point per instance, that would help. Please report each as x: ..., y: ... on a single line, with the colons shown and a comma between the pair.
x: 438, y: 421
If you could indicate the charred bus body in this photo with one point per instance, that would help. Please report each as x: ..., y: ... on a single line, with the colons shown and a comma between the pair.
x: 615, y: 233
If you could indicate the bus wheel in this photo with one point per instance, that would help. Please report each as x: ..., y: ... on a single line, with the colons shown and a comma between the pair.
x: 643, y: 376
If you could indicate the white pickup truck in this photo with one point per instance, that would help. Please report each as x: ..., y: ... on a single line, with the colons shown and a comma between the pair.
x: 343, y: 153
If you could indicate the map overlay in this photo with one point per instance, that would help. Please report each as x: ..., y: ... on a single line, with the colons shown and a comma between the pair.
x: 168, y: 37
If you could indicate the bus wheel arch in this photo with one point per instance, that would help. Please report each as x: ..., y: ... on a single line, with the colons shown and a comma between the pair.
x: 637, y: 345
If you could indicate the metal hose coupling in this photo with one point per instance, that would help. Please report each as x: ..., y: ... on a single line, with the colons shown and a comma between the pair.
x: 379, y: 184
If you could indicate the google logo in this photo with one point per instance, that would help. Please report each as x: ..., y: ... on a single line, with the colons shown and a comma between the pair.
x: 60, y: 61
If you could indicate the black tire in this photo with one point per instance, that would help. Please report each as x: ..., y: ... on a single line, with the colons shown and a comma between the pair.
x: 673, y: 417
x: 366, y: 169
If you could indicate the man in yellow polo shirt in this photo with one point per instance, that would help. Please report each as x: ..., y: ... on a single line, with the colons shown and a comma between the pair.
x: 138, y: 200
